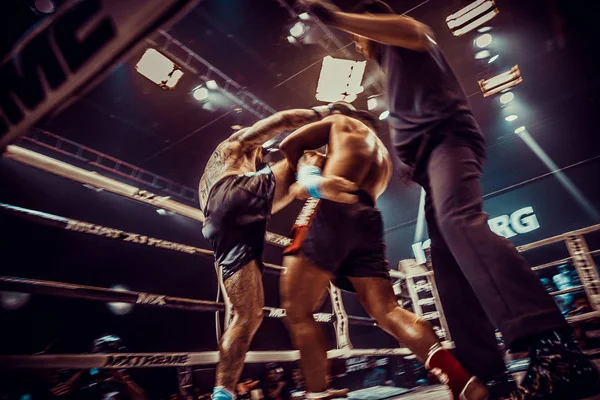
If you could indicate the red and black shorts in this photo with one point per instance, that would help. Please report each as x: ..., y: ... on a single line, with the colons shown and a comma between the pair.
x: 343, y: 239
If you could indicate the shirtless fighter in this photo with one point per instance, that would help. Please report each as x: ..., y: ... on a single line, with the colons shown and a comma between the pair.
x: 237, y: 200
x: 344, y: 243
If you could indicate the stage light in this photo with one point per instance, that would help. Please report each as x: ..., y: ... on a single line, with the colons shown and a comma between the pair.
x: 484, y: 40
x: 298, y: 30
x: 212, y: 85
x: 120, y: 308
x: 512, y: 118
x: 558, y: 173
x: 384, y: 115
x: 159, y: 69
x: 491, y: 60
x: 200, y: 93
x: 340, y: 80
x: 13, y: 300
x: 480, y: 55
x: 501, y: 82
x: 507, y: 97
x: 292, y: 40
x: 175, y: 76
x: 372, y: 103
x: 304, y: 16
x: 484, y: 29
x: 472, y: 17
x: 349, y: 98
x: 44, y: 6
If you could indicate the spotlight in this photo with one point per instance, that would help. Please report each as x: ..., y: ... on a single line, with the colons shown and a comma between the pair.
x: 512, y: 118
x: 292, y: 40
x: 349, y: 98
x: 120, y: 308
x: 298, y: 30
x: 174, y: 78
x: 13, y: 300
x: 472, y: 16
x: 480, y: 55
x: 200, y: 93
x: 384, y: 115
x: 372, y: 103
x: 484, y: 40
x: 212, y: 85
x: 507, y: 97
x: 159, y: 69
x: 501, y: 82
x: 520, y: 129
x: 484, y: 29
x: 304, y: 16
x: 340, y: 79
x: 44, y: 6
x: 491, y: 60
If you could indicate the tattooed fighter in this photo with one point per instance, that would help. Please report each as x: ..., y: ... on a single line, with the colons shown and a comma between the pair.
x: 237, y: 199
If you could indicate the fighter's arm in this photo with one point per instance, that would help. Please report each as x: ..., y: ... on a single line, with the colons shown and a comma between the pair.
x: 310, y: 164
x: 393, y: 30
x: 309, y: 137
x: 273, y: 126
x: 389, y: 29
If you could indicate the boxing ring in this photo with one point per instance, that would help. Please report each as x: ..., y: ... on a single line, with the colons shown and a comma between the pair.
x: 133, y: 27
x: 421, y: 287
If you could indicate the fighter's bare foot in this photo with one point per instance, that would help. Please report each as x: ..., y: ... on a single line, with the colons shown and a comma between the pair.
x: 475, y: 390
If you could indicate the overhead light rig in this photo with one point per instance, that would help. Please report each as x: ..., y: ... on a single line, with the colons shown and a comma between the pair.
x: 186, y: 57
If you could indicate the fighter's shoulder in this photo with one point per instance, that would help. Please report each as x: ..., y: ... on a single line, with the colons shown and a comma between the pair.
x: 342, y: 121
x: 230, y: 145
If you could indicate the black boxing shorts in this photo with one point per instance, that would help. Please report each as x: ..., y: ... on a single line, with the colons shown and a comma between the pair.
x: 236, y: 214
x: 343, y: 239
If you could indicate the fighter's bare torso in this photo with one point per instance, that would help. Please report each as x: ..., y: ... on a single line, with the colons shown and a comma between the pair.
x: 357, y: 154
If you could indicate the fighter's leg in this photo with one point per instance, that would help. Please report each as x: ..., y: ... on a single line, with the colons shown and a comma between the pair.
x: 303, y: 286
x: 377, y: 297
x: 245, y: 291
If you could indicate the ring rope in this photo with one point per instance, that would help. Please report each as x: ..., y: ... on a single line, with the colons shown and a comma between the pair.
x: 181, y: 359
x: 97, y: 180
x: 94, y: 293
x: 107, y: 232
x: 117, y: 234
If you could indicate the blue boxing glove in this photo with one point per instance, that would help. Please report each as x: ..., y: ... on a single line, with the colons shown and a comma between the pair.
x: 309, y: 177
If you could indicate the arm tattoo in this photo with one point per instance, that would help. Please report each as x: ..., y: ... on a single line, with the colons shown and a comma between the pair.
x: 224, y: 157
x: 273, y: 126
x: 229, y: 153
